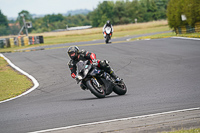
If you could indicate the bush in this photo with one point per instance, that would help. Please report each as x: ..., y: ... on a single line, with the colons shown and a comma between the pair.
x: 189, y: 8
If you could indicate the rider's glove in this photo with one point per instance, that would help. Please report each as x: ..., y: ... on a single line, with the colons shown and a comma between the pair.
x: 78, y: 79
x: 106, y: 61
x: 94, y: 62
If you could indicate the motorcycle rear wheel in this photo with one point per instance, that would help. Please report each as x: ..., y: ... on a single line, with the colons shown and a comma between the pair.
x: 99, y: 92
x: 120, y: 89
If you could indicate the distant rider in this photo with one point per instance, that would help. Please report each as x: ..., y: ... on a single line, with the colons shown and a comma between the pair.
x: 76, y: 56
x: 108, y: 24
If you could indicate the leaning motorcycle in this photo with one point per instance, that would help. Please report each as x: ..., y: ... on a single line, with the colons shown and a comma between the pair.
x: 98, y: 81
x: 107, y: 34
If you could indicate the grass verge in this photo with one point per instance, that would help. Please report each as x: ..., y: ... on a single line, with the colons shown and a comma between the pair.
x: 12, y: 83
x: 197, y: 130
x: 167, y: 35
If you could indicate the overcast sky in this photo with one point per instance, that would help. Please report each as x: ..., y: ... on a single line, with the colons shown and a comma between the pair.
x: 11, y: 8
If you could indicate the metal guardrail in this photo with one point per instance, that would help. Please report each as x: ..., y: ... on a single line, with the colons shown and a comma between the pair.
x: 188, y: 29
x: 73, y: 28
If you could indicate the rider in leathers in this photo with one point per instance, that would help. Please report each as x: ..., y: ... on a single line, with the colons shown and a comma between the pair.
x: 83, y: 55
x: 108, y: 24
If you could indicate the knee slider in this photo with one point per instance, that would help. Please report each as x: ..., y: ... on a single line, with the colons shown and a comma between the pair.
x: 103, y: 64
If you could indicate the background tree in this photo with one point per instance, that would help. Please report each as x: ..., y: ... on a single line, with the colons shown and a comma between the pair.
x: 3, y: 24
x: 3, y: 20
x: 124, y: 12
x: 176, y: 8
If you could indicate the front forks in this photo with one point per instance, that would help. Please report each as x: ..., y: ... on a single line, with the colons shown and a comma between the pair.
x: 96, y: 82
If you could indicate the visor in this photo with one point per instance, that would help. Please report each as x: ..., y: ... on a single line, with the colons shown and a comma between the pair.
x: 72, y: 54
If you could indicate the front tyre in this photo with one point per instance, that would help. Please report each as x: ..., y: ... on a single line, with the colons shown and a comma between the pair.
x: 97, y: 91
x: 107, y: 39
x: 120, y: 88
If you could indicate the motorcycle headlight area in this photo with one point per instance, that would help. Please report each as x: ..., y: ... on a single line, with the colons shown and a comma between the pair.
x: 86, y: 72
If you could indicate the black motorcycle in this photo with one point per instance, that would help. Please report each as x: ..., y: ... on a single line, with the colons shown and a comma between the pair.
x: 98, y: 81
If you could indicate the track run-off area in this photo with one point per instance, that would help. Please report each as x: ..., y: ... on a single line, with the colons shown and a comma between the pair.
x: 162, y: 75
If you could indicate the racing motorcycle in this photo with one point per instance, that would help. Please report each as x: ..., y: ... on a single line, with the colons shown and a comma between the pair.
x: 98, y: 81
x: 107, y: 34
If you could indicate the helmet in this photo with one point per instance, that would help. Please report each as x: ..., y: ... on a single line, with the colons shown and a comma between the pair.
x: 108, y: 22
x: 73, y: 52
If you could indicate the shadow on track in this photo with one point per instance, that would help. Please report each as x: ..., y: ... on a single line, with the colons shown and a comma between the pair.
x: 94, y: 98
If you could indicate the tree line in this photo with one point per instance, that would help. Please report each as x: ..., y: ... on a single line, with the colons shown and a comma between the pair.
x: 119, y: 12
x: 124, y: 12
x: 179, y: 9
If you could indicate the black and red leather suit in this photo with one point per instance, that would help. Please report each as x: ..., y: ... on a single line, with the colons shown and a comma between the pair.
x: 85, y: 55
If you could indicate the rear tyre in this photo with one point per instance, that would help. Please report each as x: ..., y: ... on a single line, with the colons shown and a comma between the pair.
x: 99, y: 92
x: 120, y: 89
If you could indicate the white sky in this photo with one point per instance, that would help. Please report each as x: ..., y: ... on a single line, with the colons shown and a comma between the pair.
x: 11, y: 8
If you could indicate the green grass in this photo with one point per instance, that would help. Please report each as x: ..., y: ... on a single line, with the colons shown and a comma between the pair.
x: 12, y: 83
x: 197, y: 130
x: 141, y: 31
x: 167, y: 35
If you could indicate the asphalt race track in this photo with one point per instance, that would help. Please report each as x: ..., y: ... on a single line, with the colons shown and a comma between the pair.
x: 161, y: 75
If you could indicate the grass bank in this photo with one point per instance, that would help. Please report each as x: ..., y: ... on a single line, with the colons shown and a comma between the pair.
x: 197, y: 130
x: 167, y: 35
x: 12, y: 83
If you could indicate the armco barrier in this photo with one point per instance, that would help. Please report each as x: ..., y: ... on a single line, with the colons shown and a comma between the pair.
x: 12, y: 44
x: 33, y: 40
x: 197, y: 27
x: 20, y: 41
x: 2, y: 43
x: 37, y: 40
x: 188, y: 29
x: 41, y: 40
x: 30, y: 39
x: 7, y: 43
x: 26, y: 41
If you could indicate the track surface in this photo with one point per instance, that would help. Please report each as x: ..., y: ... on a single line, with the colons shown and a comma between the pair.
x: 161, y: 75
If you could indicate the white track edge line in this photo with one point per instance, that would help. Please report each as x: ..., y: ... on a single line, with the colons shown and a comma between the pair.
x: 186, y: 38
x: 114, y: 120
x: 35, y: 82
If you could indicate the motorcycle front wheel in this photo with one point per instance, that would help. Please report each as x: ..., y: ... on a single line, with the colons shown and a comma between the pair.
x: 99, y: 92
x: 107, y: 38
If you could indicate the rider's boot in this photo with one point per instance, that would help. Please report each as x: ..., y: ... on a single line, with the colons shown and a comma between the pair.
x: 115, y: 77
x: 105, y: 66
